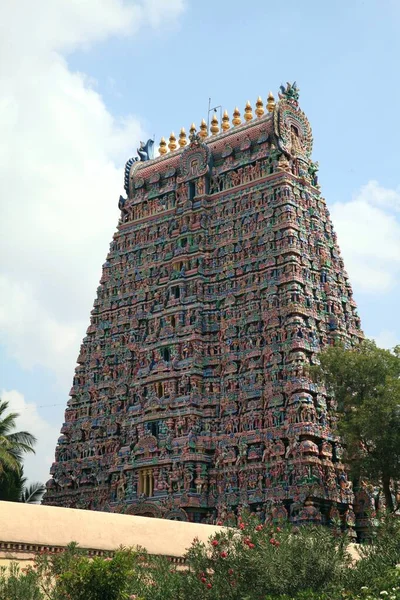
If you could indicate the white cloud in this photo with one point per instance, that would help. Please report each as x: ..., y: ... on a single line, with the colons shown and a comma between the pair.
x: 368, y: 230
x: 58, y: 25
x: 61, y: 158
x: 377, y: 195
x: 386, y: 339
x: 36, y: 467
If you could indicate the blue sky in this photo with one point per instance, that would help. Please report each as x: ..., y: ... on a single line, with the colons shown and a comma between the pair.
x: 81, y: 83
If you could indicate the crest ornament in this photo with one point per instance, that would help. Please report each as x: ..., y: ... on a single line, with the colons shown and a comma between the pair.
x: 291, y: 92
x: 195, y: 159
x: 291, y: 126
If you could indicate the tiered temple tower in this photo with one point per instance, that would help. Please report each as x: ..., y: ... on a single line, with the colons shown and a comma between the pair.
x: 191, y: 398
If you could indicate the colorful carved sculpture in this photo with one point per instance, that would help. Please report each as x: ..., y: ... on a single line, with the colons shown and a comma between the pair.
x: 191, y: 398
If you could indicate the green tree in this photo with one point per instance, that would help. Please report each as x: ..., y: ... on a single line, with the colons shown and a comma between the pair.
x: 32, y: 493
x: 365, y: 382
x: 11, y: 486
x: 13, y: 444
x: 14, y: 488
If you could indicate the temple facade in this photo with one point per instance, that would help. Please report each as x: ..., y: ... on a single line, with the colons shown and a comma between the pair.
x: 191, y: 399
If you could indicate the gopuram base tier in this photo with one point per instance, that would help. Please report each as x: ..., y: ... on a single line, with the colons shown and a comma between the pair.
x: 191, y: 399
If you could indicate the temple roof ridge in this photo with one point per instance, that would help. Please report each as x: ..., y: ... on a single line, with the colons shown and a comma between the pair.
x: 216, y: 131
x: 173, y: 149
x: 208, y: 133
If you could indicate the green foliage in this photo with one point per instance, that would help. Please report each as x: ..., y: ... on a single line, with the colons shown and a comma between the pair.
x: 250, y: 563
x: 253, y: 562
x: 14, y: 488
x: 365, y: 382
x: 385, y: 587
x: 72, y: 575
x: 17, y: 584
x: 13, y: 444
x: 98, y: 579
x: 378, y: 558
x: 157, y: 578
x: 11, y: 485
x: 51, y: 566
x: 277, y: 560
x: 32, y: 493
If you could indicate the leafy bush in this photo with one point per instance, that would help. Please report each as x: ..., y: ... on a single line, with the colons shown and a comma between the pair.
x: 17, y: 584
x: 378, y: 558
x: 248, y: 563
x: 253, y: 562
x: 265, y: 560
x: 157, y: 578
x: 98, y: 579
x: 72, y: 575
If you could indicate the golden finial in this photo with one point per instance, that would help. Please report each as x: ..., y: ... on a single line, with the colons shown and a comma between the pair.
x: 163, y: 146
x: 248, y: 111
x: 192, y: 129
x: 259, y: 107
x: 182, y: 138
x: 225, y: 121
x: 270, y: 102
x: 236, y: 117
x: 172, y: 142
x: 214, y: 125
x: 203, y: 129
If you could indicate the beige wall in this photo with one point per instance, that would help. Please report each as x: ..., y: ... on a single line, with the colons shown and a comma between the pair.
x: 27, y: 528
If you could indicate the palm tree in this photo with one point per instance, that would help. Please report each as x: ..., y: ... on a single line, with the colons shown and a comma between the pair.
x: 14, y: 488
x: 13, y: 444
x: 33, y: 493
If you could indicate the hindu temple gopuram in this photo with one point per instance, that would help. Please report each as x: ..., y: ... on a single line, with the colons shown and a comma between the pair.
x: 191, y: 398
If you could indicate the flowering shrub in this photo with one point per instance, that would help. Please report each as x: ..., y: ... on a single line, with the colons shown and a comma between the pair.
x: 258, y: 560
x: 263, y: 562
x: 251, y: 562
